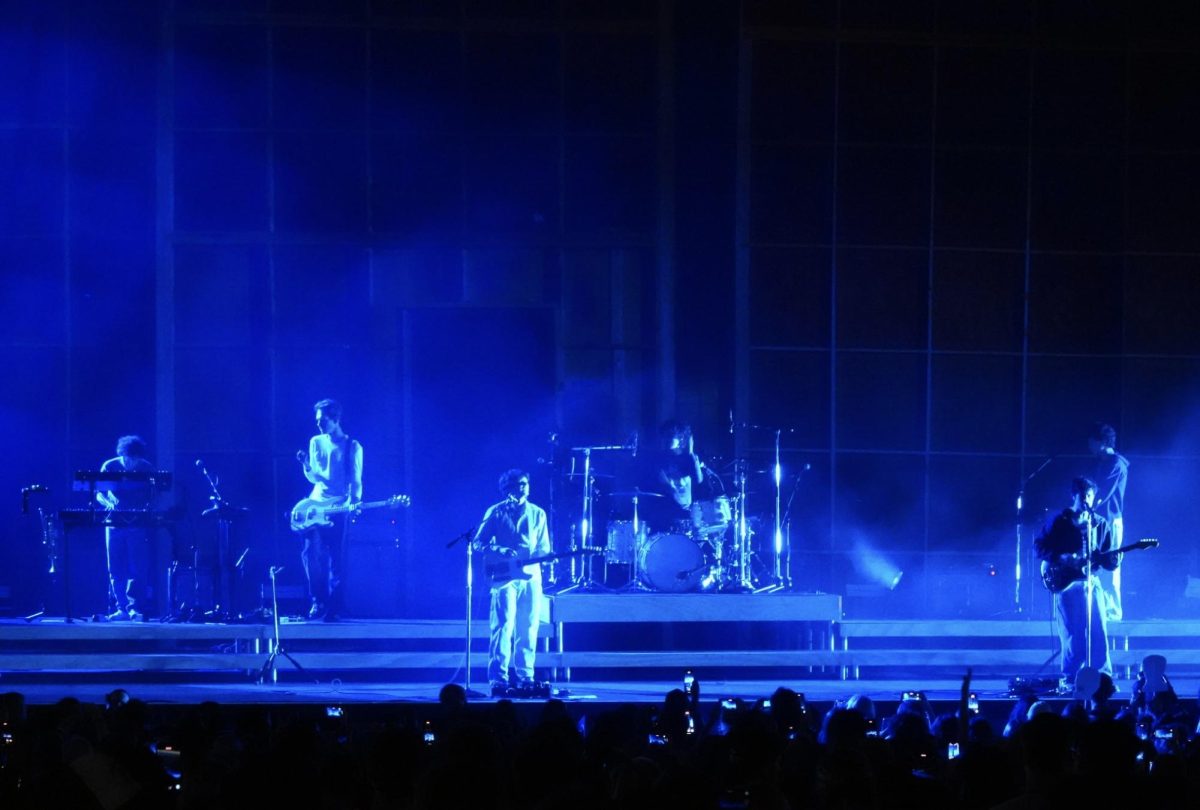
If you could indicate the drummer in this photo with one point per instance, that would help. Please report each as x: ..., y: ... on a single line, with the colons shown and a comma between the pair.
x: 675, y: 471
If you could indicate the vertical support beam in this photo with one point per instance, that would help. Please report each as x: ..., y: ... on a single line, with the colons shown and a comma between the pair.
x: 164, y: 226
x: 927, y: 446
x: 284, y: 464
x: 164, y: 280
x: 833, y: 296
x: 1026, y: 291
x: 741, y: 247
x: 68, y: 314
x: 665, y: 242
x: 165, y: 259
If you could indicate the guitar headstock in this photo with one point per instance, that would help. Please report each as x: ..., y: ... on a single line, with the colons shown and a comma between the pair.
x: 1147, y: 542
x: 400, y: 500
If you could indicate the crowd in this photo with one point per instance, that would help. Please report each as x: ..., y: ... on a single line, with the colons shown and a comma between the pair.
x: 687, y: 753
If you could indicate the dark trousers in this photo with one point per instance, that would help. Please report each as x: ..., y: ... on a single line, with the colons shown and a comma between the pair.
x: 128, y: 552
x: 323, y: 557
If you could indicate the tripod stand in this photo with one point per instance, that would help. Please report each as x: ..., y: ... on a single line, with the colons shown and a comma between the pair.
x: 276, y: 645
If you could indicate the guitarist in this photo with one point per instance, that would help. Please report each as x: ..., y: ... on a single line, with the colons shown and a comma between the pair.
x: 1060, y: 546
x: 333, y: 465
x: 513, y: 529
x: 1110, y: 471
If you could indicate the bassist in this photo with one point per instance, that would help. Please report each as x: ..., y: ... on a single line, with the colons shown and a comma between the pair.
x: 1060, y: 545
x: 334, y: 466
x: 514, y: 529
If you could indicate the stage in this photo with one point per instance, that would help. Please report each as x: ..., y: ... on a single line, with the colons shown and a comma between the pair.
x: 595, y: 649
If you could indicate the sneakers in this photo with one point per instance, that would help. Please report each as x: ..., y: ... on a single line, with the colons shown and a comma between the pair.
x: 123, y: 615
x: 317, y: 612
x: 135, y: 616
x: 499, y: 689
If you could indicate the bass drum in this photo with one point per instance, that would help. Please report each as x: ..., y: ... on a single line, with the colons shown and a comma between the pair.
x: 672, y: 563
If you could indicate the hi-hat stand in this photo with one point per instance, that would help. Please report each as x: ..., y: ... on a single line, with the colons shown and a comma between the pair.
x: 779, y: 580
x: 584, y: 579
x: 743, y: 581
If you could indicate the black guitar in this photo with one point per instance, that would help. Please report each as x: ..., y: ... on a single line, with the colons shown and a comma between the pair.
x: 1068, y: 568
x: 500, y: 569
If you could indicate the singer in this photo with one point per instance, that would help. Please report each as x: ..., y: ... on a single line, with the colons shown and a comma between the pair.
x: 334, y: 466
x: 518, y: 530
x: 1061, y: 545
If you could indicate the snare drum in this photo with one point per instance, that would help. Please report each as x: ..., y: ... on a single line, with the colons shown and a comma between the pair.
x: 672, y: 562
x: 623, y: 542
x: 712, y: 517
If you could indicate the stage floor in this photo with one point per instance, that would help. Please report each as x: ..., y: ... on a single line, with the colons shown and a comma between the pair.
x: 408, y: 661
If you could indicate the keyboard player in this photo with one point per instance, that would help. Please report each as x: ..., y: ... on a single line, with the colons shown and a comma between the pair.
x: 128, y: 548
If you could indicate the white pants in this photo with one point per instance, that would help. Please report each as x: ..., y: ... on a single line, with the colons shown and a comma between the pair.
x: 514, y: 625
x: 1110, y: 581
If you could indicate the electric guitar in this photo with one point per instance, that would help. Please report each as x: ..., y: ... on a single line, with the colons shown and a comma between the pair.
x: 500, y: 569
x: 313, y: 512
x: 1069, y: 568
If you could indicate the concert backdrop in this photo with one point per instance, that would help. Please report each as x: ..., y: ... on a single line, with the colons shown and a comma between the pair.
x: 922, y: 244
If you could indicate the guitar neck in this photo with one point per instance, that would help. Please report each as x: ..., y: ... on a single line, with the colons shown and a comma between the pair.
x: 372, y: 504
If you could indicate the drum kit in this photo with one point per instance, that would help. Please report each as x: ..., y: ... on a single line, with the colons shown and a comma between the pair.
x: 714, y: 545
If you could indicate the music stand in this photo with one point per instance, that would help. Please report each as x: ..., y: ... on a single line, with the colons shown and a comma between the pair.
x: 276, y: 644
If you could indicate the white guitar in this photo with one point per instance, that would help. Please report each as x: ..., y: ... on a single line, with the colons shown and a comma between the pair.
x: 312, y: 512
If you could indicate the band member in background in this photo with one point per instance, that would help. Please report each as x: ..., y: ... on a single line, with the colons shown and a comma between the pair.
x: 514, y: 529
x: 1060, y: 544
x: 334, y: 466
x: 128, y: 549
x: 1110, y: 471
x: 676, y: 472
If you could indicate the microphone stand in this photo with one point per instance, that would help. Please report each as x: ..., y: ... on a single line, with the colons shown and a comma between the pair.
x: 1017, y: 570
x: 224, y: 513
x: 276, y: 645
x: 470, y: 588
x: 1089, y: 582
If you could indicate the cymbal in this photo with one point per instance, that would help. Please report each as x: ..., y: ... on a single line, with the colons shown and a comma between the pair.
x: 637, y: 493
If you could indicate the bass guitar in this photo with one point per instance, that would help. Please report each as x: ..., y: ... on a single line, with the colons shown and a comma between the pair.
x: 1057, y: 575
x: 313, y: 512
x: 500, y: 569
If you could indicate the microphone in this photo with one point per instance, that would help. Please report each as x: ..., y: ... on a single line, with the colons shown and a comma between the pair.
x: 200, y: 466
x: 731, y: 421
